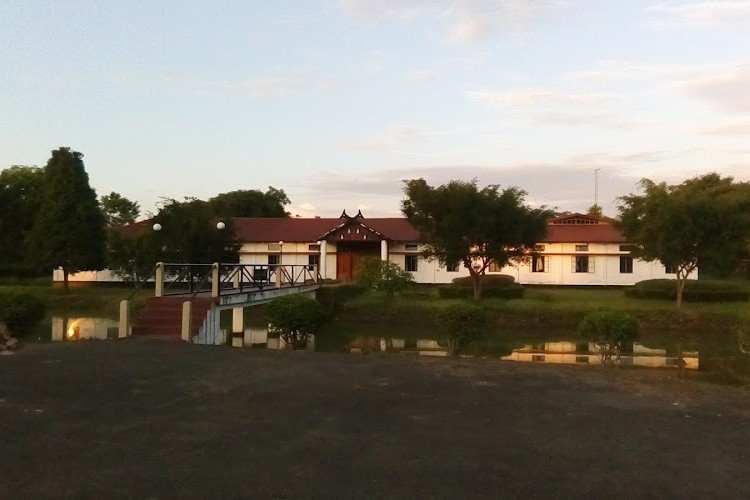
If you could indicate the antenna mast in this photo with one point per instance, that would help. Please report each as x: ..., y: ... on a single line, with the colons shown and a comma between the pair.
x: 596, y: 186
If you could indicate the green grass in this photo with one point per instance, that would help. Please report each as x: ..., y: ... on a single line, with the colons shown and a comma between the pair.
x: 94, y: 300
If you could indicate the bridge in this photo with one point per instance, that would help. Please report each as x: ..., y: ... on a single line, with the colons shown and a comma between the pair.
x: 188, y: 298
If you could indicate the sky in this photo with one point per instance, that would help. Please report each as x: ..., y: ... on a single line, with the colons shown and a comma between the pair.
x: 338, y: 101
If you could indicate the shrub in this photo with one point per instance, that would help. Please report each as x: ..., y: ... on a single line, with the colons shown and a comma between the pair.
x: 488, y: 281
x: 383, y: 276
x: 695, y: 291
x: 610, y: 331
x: 296, y: 318
x: 331, y: 297
x: 462, y: 324
x: 21, y: 312
x: 512, y: 291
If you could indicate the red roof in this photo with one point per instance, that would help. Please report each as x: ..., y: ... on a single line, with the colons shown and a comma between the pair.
x: 292, y: 229
x: 581, y: 228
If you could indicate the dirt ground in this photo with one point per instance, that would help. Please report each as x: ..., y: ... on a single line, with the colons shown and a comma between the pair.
x: 157, y: 419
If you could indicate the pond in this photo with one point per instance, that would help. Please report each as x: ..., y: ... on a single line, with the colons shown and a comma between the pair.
x: 718, y: 357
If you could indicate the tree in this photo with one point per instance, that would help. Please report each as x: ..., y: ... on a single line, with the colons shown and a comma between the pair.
x: 383, y: 276
x: 461, y: 324
x: 462, y: 223
x: 20, y: 194
x: 296, y: 317
x: 611, y: 331
x: 250, y: 203
x: 705, y: 221
x: 595, y: 211
x: 133, y: 258
x: 189, y: 233
x: 69, y: 228
x: 118, y: 210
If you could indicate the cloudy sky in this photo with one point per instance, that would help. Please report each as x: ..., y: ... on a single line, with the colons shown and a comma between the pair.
x: 338, y: 101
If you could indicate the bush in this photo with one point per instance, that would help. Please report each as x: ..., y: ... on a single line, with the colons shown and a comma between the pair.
x: 21, y: 312
x: 488, y: 281
x: 695, y: 291
x: 610, y: 331
x: 462, y: 324
x: 383, y: 276
x: 332, y: 297
x: 296, y: 318
x: 512, y: 291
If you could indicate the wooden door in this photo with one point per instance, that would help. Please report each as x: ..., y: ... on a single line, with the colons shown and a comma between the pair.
x: 344, y: 269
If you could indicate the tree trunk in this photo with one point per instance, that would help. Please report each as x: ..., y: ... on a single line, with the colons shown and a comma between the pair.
x: 477, y: 278
x: 65, y: 279
x: 681, y: 282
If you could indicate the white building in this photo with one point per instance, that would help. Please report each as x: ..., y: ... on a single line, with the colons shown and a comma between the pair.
x: 578, y: 250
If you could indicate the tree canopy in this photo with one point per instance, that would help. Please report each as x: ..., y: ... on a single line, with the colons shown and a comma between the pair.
x: 189, y: 233
x: 119, y: 210
x: 462, y: 223
x: 20, y: 195
x: 250, y: 203
x: 704, y: 221
x: 69, y: 228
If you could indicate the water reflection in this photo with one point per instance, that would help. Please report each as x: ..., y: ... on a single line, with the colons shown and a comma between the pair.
x: 64, y: 329
x: 583, y: 353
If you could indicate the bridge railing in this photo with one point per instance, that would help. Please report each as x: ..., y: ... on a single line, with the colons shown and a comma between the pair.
x: 183, y: 279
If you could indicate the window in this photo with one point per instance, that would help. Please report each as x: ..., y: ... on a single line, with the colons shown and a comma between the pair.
x: 582, y: 248
x: 494, y: 268
x: 539, y: 264
x: 273, y: 260
x: 626, y: 248
x: 626, y: 264
x: 313, y: 260
x: 539, y: 248
x: 538, y: 358
x: 583, y: 264
x: 582, y: 359
x: 412, y: 247
x: 313, y: 248
x: 452, y: 267
x: 411, y: 263
x: 670, y: 269
x: 274, y: 247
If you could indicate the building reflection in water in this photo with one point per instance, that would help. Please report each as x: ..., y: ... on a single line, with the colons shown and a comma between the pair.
x: 64, y: 329
x: 583, y: 353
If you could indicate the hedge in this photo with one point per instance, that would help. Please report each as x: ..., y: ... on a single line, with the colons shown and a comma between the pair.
x: 21, y: 312
x: 332, y: 297
x: 513, y: 291
x: 488, y: 280
x: 695, y: 291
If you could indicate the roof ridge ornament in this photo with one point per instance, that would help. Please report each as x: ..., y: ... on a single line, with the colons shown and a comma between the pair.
x: 359, y: 215
x: 344, y: 215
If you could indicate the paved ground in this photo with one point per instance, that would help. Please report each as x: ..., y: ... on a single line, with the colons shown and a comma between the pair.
x: 151, y: 419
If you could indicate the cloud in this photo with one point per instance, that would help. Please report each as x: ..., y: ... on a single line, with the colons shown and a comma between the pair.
x: 531, y: 98
x: 608, y: 120
x: 726, y: 90
x: 423, y: 74
x: 710, y: 15
x: 467, y: 20
x: 279, y: 83
x: 398, y: 135
x: 610, y: 70
x: 736, y: 127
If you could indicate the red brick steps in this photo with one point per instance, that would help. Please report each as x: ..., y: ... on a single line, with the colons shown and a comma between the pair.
x: 162, y: 316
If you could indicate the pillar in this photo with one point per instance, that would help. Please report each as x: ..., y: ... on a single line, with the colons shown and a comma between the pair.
x: 383, y: 250
x: 238, y: 323
x: 323, y: 258
x: 215, y: 279
x: 159, y: 278
x: 187, y: 317
x: 124, y: 326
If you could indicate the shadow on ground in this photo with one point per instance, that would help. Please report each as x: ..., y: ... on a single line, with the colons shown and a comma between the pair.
x: 155, y: 419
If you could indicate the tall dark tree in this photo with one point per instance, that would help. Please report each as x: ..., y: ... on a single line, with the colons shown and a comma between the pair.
x: 705, y: 221
x: 250, y: 203
x: 462, y: 223
x: 69, y: 228
x: 189, y: 234
x: 20, y: 194
x: 118, y: 210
